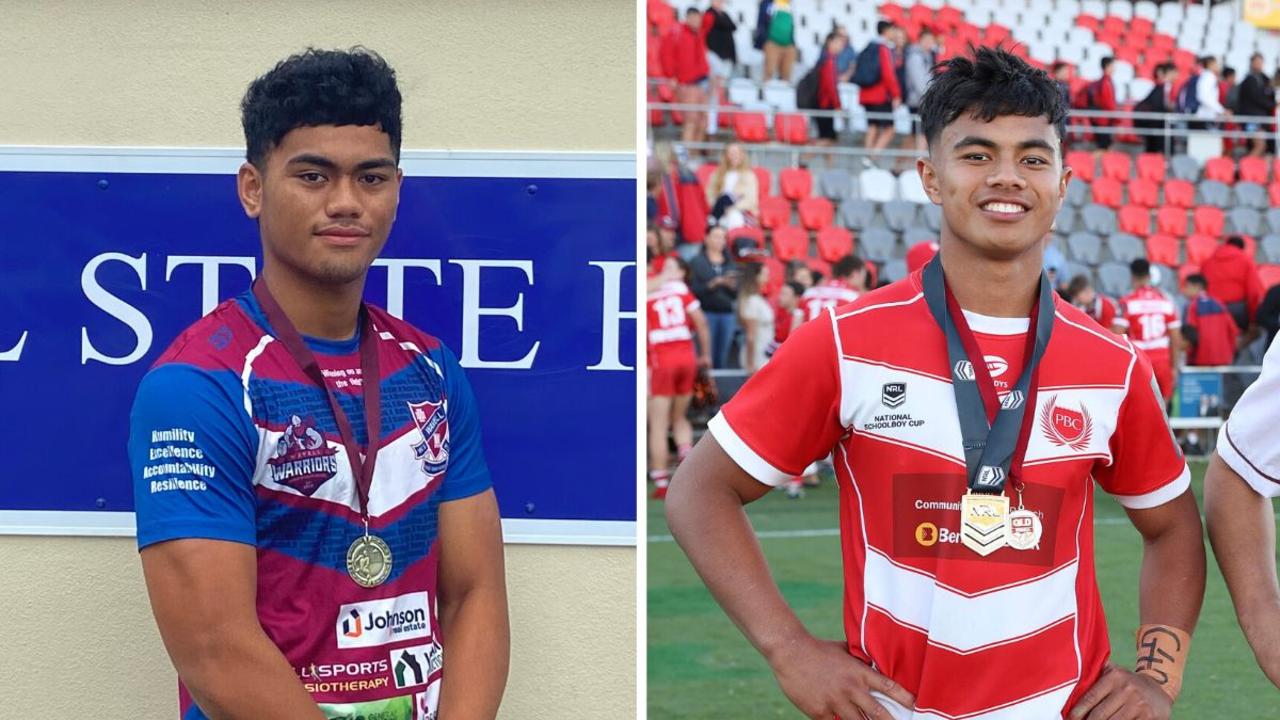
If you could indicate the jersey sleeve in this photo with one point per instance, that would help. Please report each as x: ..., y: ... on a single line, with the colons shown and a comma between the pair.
x: 1171, y: 319
x: 1147, y: 468
x: 1248, y: 442
x: 468, y: 473
x: 192, y: 450
x: 787, y: 415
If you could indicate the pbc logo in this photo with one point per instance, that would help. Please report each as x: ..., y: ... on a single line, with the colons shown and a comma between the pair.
x: 1063, y: 426
x: 989, y: 476
x: 893, y: 394
x: 963, y: 370
x: 433, y: 423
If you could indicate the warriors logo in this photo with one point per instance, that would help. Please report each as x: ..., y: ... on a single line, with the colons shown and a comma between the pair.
x: 302, y: 460
x: 1066, y: 427
x: 433, y: 423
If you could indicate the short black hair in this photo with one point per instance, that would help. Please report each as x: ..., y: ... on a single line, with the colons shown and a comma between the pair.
x: 847, y: 265
x: 1197, y: 279
x: 882, y: 26
x: 693, y: 10
x: 1106, y: 62
x: 1236, y: 241
x: 1228, y: 72
x: 796, y: 287
x: 320, y: 87
x: 1205, y: 60
x: 992, y: 83
x: 1140, y: 268
x: 1078, y: 283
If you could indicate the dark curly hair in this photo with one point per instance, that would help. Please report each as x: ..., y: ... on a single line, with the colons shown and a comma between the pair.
x: 991, y: 83
x: 320, y: 87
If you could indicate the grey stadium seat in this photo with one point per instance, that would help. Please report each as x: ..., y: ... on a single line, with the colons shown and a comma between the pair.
x: 1244, y: 220
x: 895, y: 269
x: 1214, y: 193
x: 1077, y: 192
x: 1065, y: 222
x: 1270, y: 247
x: 1126, y: 248
x: 899, y: 214
x: 1251, y: 195
x: 1073, y: 269
x: 857, y: 214
x: 1166, y: 278
x: 1113, y: 278
x: 1099, y: 219
x: 1184, y: 167
x: 1084, y: 247
x: 917, y: 233
x: 932, y: 215
x: 1273, y: 220
x: 835, y: 184
x: 877, y: 244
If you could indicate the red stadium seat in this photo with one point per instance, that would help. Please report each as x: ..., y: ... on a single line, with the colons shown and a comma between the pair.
x: 746, y: 231
x: 764, y: 180
x: 816, y: 213
x: 949, y: 17
x: 1185, y: 271
x: 1171, y: 221
x: 1200, y: 247
x: 1085, y: 20
x: 1129, y: 54
x: 1179, y: 194
x: 1151, y: 166
x: 1162, y: 44
x: 996, y: 34
x: 1081, y: 164
x: 1144, y: 193
x: 704, y: 173
x: 751, y: 127
x: 791, y: 129
x: 790, y: 242
x: 1141, y: 27
x: 834, y: 242
x: 796, y: 183
x: 1135, y: 221
x: 1163, y: 249
x: 1184, y: 60
x: 1222, y: 169
x: 1208, y: 220
x: 1116, y: 164
x: 1108, y: 191
x: 1108, y: 37
x: 774, y: 212
x: 818, y: 265
x: 920, y: 14
x: 1115, y: 24
x: 894, y: 12
x: 1269, y: 275
x: 1253, y: 169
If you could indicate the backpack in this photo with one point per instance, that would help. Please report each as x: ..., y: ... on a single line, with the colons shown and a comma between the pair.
x: 866, y: 72
x: 807, y: 88
x: 1188, y: 101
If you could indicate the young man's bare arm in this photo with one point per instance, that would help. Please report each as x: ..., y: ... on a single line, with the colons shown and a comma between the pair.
x: 705, y: 512
x: 1242, y: 529
x: 703, y: 333
x: 203, y: 594
x: 473, y: 608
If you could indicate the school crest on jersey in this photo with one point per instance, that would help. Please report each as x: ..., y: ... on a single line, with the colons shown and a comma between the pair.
x: 1064, y: 426
x: 433, y: 422
x: 302, y: 460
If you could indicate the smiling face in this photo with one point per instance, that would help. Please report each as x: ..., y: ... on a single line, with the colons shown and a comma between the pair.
x: 999, y: 183
x: 325, y: 201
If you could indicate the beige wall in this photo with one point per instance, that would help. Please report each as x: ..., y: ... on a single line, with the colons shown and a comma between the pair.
x: 554, y: 75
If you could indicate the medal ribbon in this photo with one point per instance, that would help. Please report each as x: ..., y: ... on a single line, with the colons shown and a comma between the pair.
x: 288, y: 335
x: 994, y: 436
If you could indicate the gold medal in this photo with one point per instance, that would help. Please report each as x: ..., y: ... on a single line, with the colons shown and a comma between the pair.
x: 369, y: 561
x: 984, y: 522
x: 1025, y: 530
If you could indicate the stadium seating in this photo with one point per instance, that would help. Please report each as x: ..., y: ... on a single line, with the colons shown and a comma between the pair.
x: 1135, y: 220
x: 1108, y: 191
x: 1269, y: 274
x: 816, y: 213
x: 1179, y: 194
x: 1151, y: 166
x: 796, y: 183
x: 1253, y: 170
x: 1171, y: 221
x: 792, y: 129
x: 834, y: 242
x: 1222, y: 169
x: 1163, y: 249
x: 1144, y: 193
x: 774, y: 212
x: 1208, y: 220
x: 790, y: 242
x: 1200, y: 247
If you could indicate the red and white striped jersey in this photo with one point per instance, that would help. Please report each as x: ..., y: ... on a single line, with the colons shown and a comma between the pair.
x: 1019, y: 633
x: 827, y: 294
x: 669, y: 308
x: 1148, y: 315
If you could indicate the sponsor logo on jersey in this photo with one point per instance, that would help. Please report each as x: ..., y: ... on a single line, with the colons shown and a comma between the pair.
x: 893, y: 394
x: 413, y: 665
x: 344, y: 677
x: 302, y: 459
x: 1064, y: 426
x: 433, y: 424
x: 427, y: 702
x: 378, y: 622
x: 996, y: 365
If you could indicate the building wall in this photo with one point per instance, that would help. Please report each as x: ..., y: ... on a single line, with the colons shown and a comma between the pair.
x: 551, y: 75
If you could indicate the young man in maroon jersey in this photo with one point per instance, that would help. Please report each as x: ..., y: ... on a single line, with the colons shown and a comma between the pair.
x: 965, y: 512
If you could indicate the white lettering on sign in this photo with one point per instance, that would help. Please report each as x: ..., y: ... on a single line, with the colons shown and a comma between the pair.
x: 472, y: 311
x: 14, y: 353
x: 116, y: 308
x: 209, y: 265
x: 395, y: 279
x: 613, y: 315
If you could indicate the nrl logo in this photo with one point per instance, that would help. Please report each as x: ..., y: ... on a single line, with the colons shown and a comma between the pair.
x: 1013, y: 400
x: 990, y: 476
x: 1062, y: 426
x: 893, y: 394
x: 964, y: 370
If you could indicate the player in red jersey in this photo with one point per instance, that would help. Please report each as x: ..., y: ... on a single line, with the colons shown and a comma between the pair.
x: 965, y: 511
x: 1151, y: 320
x: 1101, y: 308
x: 673, y: 366
x: 844, y: 286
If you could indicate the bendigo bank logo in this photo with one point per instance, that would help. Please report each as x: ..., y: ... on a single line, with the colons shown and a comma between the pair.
x: 433, y: 423
x: 1063, y: 426
x: 380, y: 622
x: 302, y: 460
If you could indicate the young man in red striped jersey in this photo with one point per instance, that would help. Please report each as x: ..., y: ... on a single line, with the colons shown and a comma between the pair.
x: 967, y: 435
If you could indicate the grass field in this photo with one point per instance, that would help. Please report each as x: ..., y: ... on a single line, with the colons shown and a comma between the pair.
x: 701, y: 667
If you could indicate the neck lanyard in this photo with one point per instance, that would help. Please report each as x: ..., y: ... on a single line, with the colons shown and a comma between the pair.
x: 995, y: 433
x: 288, y: 335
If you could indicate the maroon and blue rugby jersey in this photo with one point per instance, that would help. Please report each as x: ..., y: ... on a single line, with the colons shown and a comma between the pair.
x: 231, y: 441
